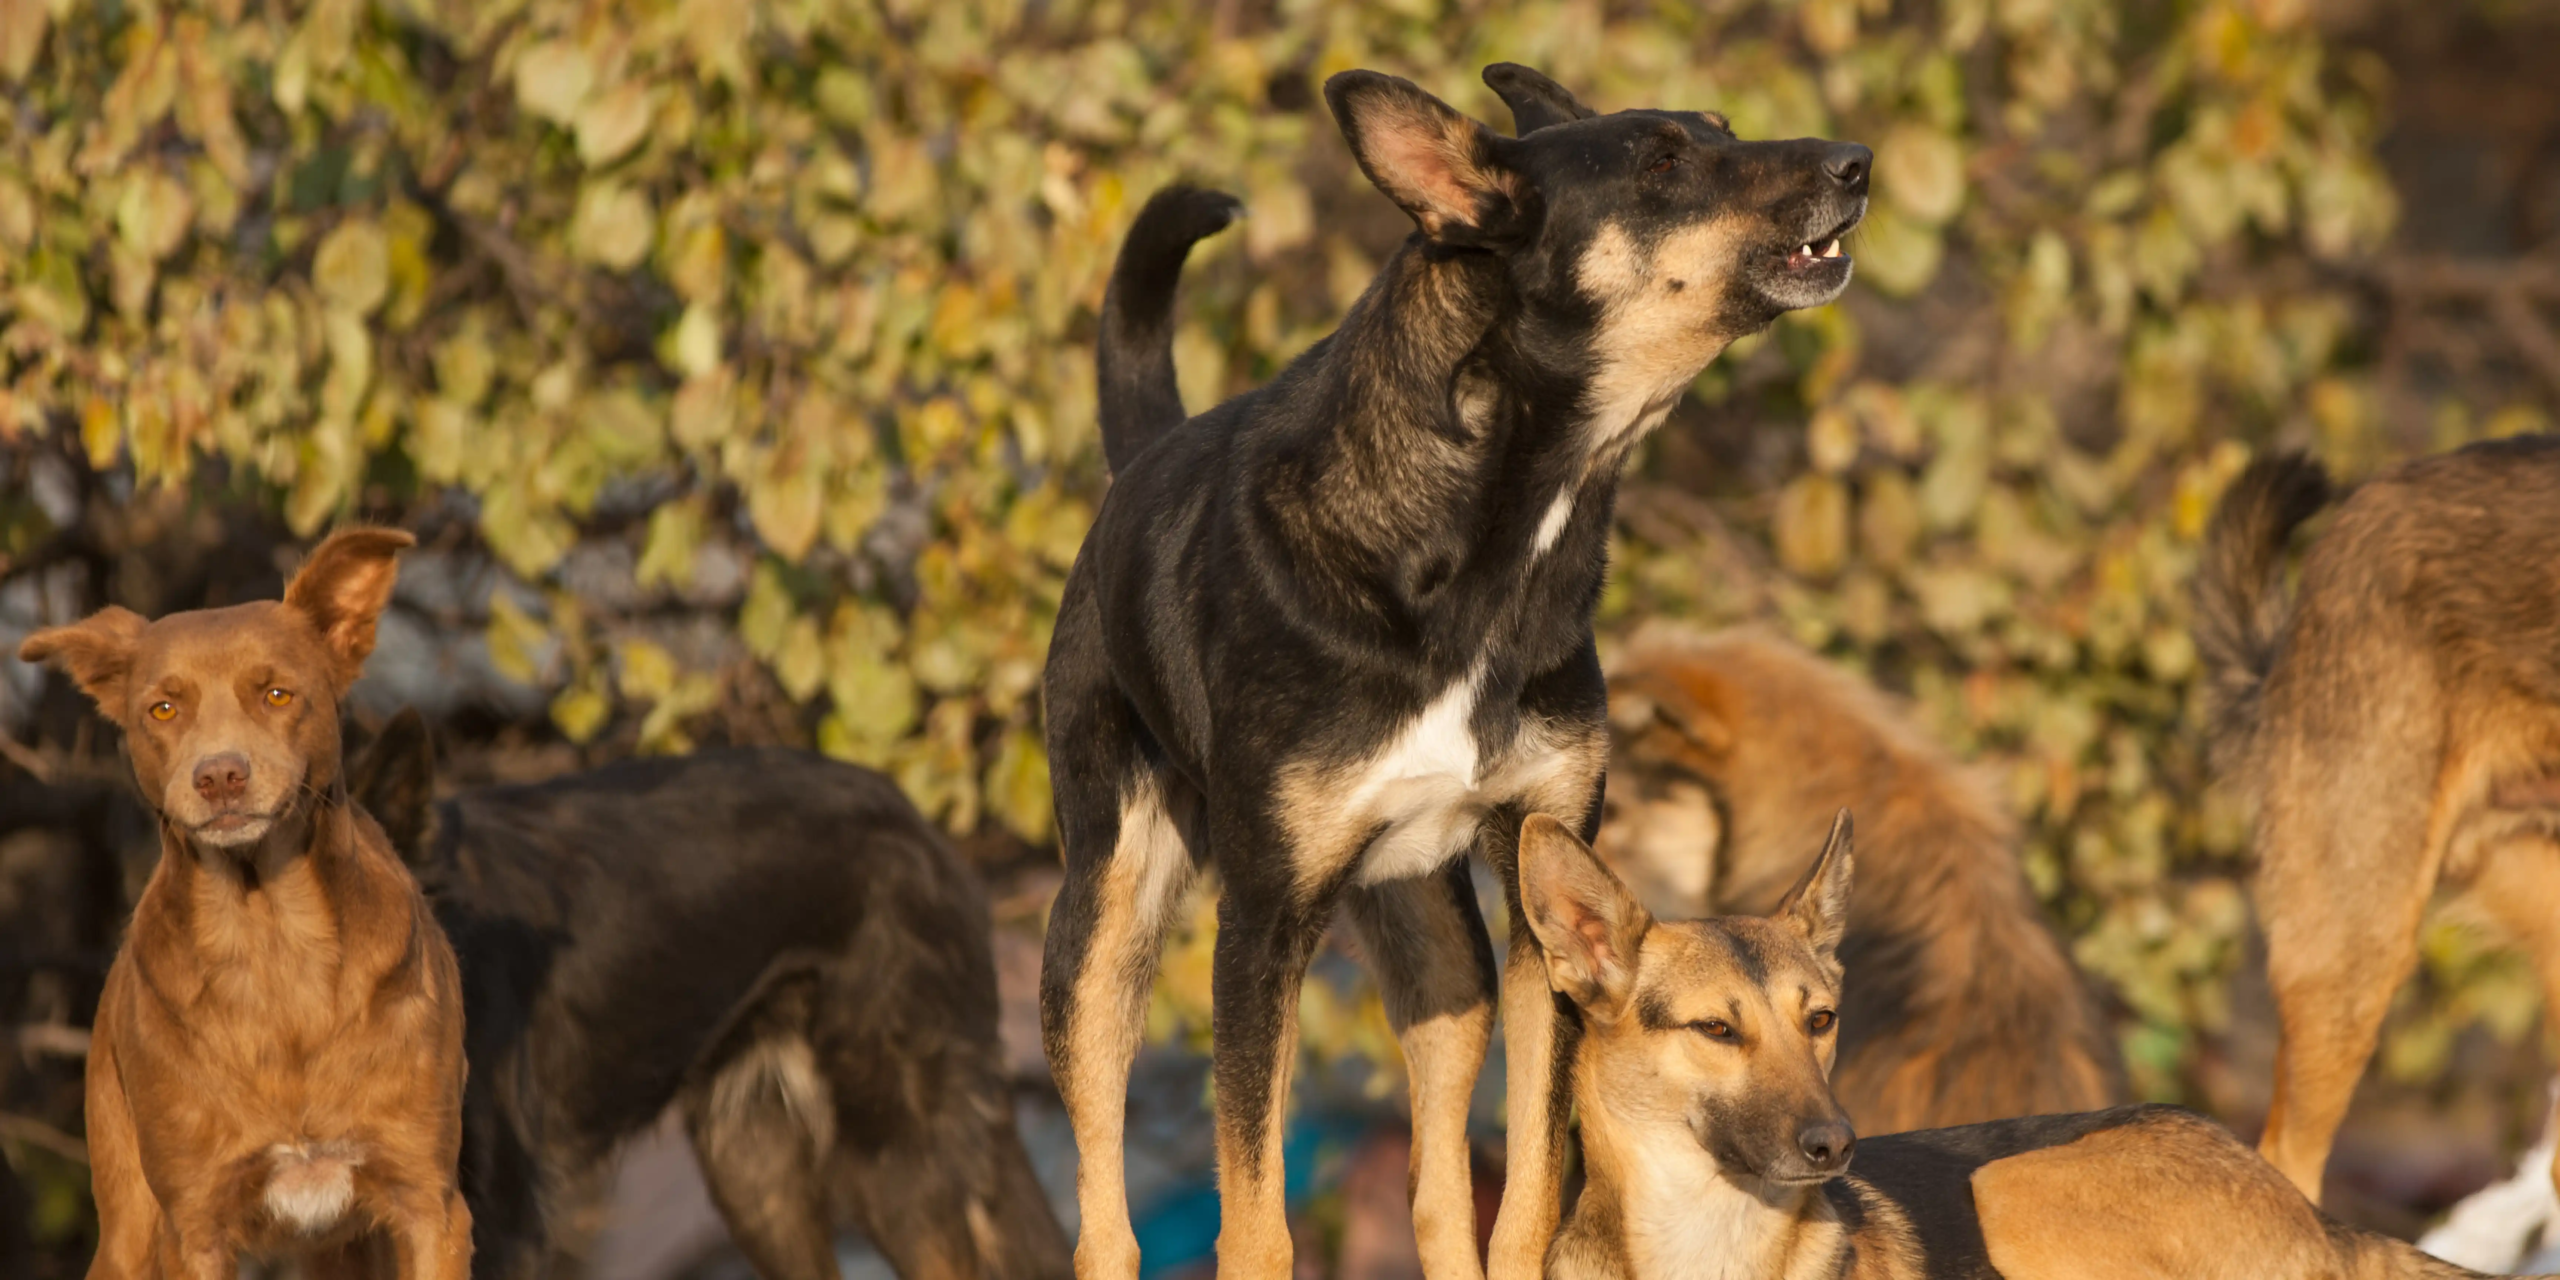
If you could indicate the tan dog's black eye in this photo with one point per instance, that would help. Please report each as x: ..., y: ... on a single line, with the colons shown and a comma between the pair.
x: 279, y: 698
x: 164, y: 711
x: 1713, y: 1029
x: 1821, y: 1021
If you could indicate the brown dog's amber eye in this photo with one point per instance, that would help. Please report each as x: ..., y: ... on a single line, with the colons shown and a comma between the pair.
x: 1664, y: 165
x: 1821, y: 1020
x: 164, y: 711
x: 1714, y: 1029
x: 278, y: 697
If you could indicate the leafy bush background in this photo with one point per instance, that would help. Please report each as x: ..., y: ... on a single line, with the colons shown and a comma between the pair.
x: 778, y: 315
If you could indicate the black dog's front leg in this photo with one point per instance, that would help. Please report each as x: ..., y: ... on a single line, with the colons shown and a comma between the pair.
x: 1271, y: 916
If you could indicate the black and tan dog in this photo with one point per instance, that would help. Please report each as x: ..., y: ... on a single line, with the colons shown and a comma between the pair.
x: 2399, y: 724
x: 1966, y: 1006
x: 1713, y: 1147
x: 1333, y: 630
x: 778, y: 944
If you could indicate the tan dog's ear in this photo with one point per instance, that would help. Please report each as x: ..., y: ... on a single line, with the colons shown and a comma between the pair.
x: 1444, y: 168
x: 1817, y: 909
x: 1643, y: 697
x: 96, y: 652
x: 343, y: 587
x: 1587, y: 922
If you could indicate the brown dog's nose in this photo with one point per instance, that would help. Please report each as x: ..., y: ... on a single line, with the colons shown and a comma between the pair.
x: 224, y: 778
x: 1847, y: 163
x: 1827, y: 1145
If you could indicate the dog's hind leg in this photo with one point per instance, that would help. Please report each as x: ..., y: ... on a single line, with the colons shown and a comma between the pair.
x: 1121, y: 823
x: 2519, y: 884
x: 2348, y: 855
x: 761, y: 1125
x: 1426, y: 944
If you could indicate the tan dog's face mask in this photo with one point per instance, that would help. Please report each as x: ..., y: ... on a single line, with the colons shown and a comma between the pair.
x: 231, y: 715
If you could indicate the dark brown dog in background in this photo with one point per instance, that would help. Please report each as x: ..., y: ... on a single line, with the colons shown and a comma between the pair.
x: 2398, y: 721
x: 773, y: 942
x: 276, y: 1067
x: 1732, y: 751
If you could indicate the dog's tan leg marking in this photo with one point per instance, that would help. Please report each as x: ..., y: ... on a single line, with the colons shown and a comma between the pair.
x: 2146, y: 1201
x: 2351, y: 838
x: 1426, y: 945
x: 1150, y: 867
x: 1253, y: 1209
x: 1533, y: 1160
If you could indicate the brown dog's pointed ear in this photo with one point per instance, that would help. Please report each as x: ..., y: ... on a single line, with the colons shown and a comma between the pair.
x: 1439, y: 165
x: 395, y: 781
x: 1645, y: 696
x: 1586, y: 922
x: 96, y: 652
x: 1535, y: 100
x: 343, y: 587
x: 1817, y: 909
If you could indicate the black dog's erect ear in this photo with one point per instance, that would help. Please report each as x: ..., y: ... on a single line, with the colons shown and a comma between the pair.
x: 395, y: 781
x: 1817, y: 909
x: 1535, y: 100
x: 1439, y: 165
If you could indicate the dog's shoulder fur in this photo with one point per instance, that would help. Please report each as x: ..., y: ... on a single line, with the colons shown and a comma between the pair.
x: 1965, y: 1006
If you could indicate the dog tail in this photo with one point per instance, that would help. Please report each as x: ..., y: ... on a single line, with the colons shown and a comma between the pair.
x: 2240, y: 603
x: 1140, y: 400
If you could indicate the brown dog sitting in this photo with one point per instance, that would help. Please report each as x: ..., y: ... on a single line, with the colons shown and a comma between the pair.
x: 277, y: 1064
x: 1730, y: 751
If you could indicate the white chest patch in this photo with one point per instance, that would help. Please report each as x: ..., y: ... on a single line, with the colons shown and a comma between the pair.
x: 1431, y: 787
x: 1552, y: 527
x: 311, y: 1186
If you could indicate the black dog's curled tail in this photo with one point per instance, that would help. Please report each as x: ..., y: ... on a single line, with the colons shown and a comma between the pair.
x: 2240, y: 601
x: 1140, y: 400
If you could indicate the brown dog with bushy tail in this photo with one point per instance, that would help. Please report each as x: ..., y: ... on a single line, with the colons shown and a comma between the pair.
x: 2398, y: 718
x: 277, y: 1063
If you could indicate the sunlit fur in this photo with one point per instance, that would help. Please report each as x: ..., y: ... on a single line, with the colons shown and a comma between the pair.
x: 276, y: 1066
x: 1701, y: 1086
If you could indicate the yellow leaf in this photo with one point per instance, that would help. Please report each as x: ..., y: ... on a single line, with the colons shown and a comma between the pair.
x: 1812, y: 525
x: 353, y: 266
x: 801, y: 665
x: 697, y: 341
x: 613, y: 227
x: 1831, y: 440
x: 153, y: 213
x: 703, y: 408
x: 516, y: 641
x: 553, y: 79
x: 613, y: 122
x: 784, y: 505
x: 22, y: 26
x: 580, y: 711
x: 1921, y: 170
x: 767, y: 614
x: 648, y: 671
x: 675, y: 539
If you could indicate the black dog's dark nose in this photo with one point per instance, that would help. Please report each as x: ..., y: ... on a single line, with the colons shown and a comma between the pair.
x: 223, y: 778
x: 1827, y: 1145
x: 1847, y: 163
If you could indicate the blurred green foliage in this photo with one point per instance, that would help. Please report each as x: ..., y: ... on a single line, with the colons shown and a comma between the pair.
x: 814, y: 279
